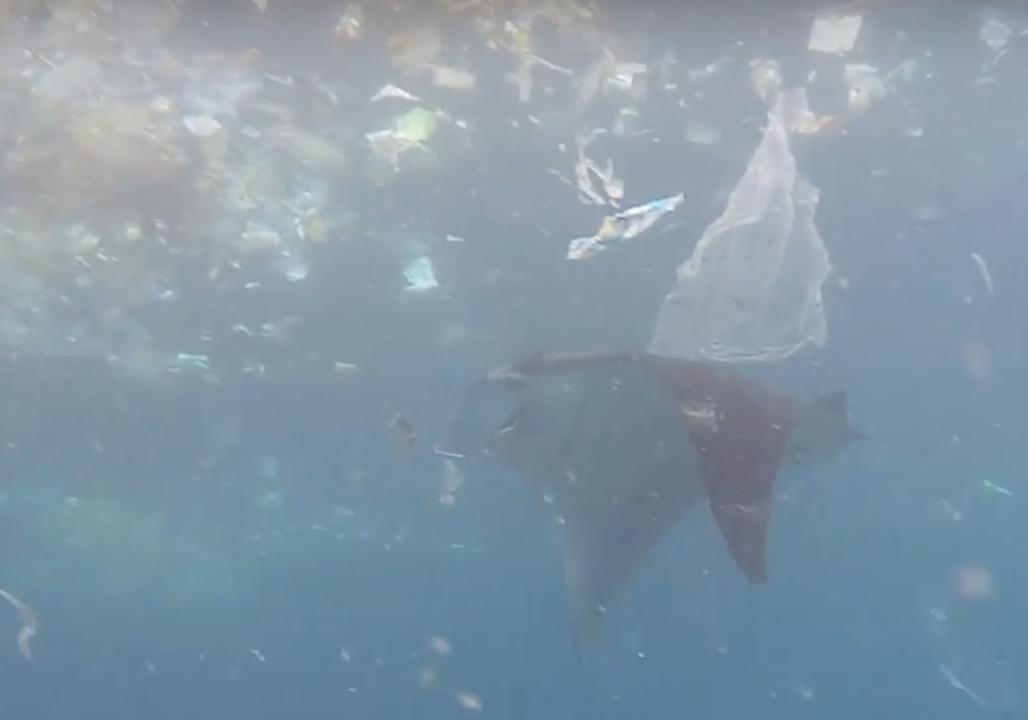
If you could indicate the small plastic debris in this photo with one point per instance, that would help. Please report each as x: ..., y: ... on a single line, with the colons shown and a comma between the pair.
x: 865, y: 86
x: 417, y: 125
x: 451, y: 78
x: 345, y: 369
x: 766, y: 78
x: 292, y: 266
x: 803, y: 121
x: 986, y: 682
x: 29, y: 623
x: 623, y: 74
x: 522, y: 77
x: 439, y: 645
x: 403, y: 431
x: 160, y: 105
x: 189, y: 361
x: 625, y: 225
x: 393, y: 91
x: 469, y: 701
x: 702, y: 133
x: 983, y: 270
x: 597, y: 185
x: 201, y: 125
x: 350, y: 25
x: 420, y: 275
x: 390, y: 145
x: 995, y: 30
x: 987, y: 686
x: 998, y: 489
x: 451, y: 483
x: 262, y: 5
x: 834, y: 34
x: 709, y: 70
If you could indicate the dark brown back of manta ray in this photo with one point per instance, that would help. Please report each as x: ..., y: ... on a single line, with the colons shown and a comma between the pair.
x: 740, y: 430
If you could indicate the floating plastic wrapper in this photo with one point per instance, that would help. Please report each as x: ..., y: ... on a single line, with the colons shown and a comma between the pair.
x: 624, y: 225
x: 834, y: 34
x: 420, y: 275
x: 752, y: 289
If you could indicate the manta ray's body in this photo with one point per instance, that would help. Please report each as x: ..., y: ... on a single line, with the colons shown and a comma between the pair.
x: 625, y: 443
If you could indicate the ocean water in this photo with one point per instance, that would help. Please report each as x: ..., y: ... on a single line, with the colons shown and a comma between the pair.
x: 208, y: 507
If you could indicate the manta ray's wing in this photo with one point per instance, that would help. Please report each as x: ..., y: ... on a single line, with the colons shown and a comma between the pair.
x: 740, y: 430
x: 602, y: 434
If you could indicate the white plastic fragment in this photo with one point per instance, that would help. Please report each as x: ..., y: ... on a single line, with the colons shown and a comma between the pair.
x: 983, y: 270
x: 995, y: 30
x: 189, y: 361
x: 350, y: 23
x: 452, y: 78
x: 29, y: 623
x: 390, y: 144
x: 201, y: 125
x: 393, y: 91
x: 420, y: 275
x: 998, y: 489
x: 834, y: 34
x: 865, y: 86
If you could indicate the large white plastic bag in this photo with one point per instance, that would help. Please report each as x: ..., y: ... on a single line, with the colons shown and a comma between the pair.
x: 752, y: 289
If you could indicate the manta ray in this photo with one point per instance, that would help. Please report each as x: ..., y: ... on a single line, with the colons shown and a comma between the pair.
x: 626, y: 443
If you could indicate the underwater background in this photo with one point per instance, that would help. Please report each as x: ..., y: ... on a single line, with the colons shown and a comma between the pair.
x: 243, y: 290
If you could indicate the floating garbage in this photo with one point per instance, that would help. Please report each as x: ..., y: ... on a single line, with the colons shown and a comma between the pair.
x: 292, y: 265
x: 420, y: 275
x: 409, y: 130
x: 766, y: 78
x: 995, y: 30
x: 394, y: 92
x: 623, y: 74
x: 625, y: 225
x: 29, y: 624
x: 597, y: 184
x: 983, y: 271
x: 996, y: 488
x: 189, y: 361
x: 417, y: 125
x: 968, y: 668
x: 403, y: 431
x: 451, y: 78
x: 702, y: 133
x: 201, y: 125
x: 351, y: 23
x: 804, y: 121
x: 751, y: 291
x: 390, y: 145
x: 866, y: 86
x: 834, y: 34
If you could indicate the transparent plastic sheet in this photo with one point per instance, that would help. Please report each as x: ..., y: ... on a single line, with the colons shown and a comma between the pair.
x: 752, y: 289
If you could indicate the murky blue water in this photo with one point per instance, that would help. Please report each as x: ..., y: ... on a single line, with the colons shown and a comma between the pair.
x: 203, y: 502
